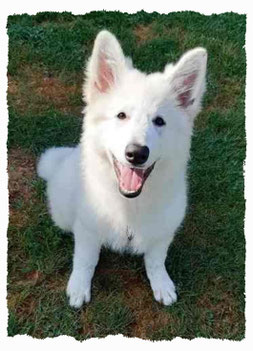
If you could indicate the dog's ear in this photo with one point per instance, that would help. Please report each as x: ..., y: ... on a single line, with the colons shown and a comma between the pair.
x: 105, y: 66
x: 187, y: 80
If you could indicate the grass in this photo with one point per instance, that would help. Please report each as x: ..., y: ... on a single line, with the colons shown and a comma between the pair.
x: 47, y: 53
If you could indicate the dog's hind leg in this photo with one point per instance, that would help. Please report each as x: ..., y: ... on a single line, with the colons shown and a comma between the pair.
x: 86, y: 255
x: 163, y: 287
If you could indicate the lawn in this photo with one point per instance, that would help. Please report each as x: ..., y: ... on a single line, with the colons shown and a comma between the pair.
x: 47, y: 53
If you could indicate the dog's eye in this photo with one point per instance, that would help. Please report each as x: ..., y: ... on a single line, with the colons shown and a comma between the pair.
x: 159, y: 121
x: 121, y: 115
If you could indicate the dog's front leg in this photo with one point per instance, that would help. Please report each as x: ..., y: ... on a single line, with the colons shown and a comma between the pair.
x: 86, y: 255
x: 163, y: 287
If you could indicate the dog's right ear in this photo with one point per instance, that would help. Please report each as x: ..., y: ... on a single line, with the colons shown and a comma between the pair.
x: 105, y: 66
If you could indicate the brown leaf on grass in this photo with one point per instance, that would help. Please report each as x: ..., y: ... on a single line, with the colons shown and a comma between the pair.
x: 12, y: 86
x: 33, y: 276
x: 30, y: 278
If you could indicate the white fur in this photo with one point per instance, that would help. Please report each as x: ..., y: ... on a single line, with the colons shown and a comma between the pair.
x: 82, y: 187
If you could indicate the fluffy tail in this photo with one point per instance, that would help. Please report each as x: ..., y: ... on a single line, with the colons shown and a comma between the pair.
x: 50, y: 161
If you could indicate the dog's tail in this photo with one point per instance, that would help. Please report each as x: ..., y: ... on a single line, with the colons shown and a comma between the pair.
x: 50, y: 161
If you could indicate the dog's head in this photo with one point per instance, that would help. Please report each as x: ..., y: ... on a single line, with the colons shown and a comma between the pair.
x: 139, y: 120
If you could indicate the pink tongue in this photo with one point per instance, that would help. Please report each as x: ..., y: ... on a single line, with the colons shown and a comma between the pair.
x: 131, y: 179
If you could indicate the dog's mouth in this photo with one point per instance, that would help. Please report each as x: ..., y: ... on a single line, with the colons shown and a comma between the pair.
x: 131, y: 179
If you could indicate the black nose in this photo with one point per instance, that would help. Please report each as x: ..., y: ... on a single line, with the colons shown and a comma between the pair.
x: 136, y: 154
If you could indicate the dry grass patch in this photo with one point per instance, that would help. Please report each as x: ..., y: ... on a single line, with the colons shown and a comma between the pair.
x: 24, y: 306
x: 36, y: 91
x: 87, y: 325
x: 28, y: 289
x: 223, y: 306
x: 148, y: 315
x: 228, y: 93
x: 56, y: 93
x: 153, y: 30
x: 144, y: 33
x: 176, y: 32
x: 56, y: 282
x: 21, y: 171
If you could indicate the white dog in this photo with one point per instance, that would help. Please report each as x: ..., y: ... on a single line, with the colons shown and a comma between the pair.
x: 125, y: 184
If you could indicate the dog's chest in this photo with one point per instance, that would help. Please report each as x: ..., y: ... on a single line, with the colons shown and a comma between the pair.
x: 125, y: 239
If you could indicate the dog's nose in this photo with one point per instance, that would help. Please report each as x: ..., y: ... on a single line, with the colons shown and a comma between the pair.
x: 136, y: 154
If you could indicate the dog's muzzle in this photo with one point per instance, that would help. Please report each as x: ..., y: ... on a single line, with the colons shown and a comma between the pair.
x: 131, y: 179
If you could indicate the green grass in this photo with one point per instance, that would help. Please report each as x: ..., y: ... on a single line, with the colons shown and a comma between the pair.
x: 47, y: 53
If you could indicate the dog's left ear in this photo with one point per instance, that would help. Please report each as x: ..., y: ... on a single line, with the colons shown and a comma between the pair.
x: 105, y: 66
x: 187, y: 80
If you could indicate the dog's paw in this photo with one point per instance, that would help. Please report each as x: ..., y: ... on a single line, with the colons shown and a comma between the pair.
x: 78, y: 291
x: 164, y: 291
